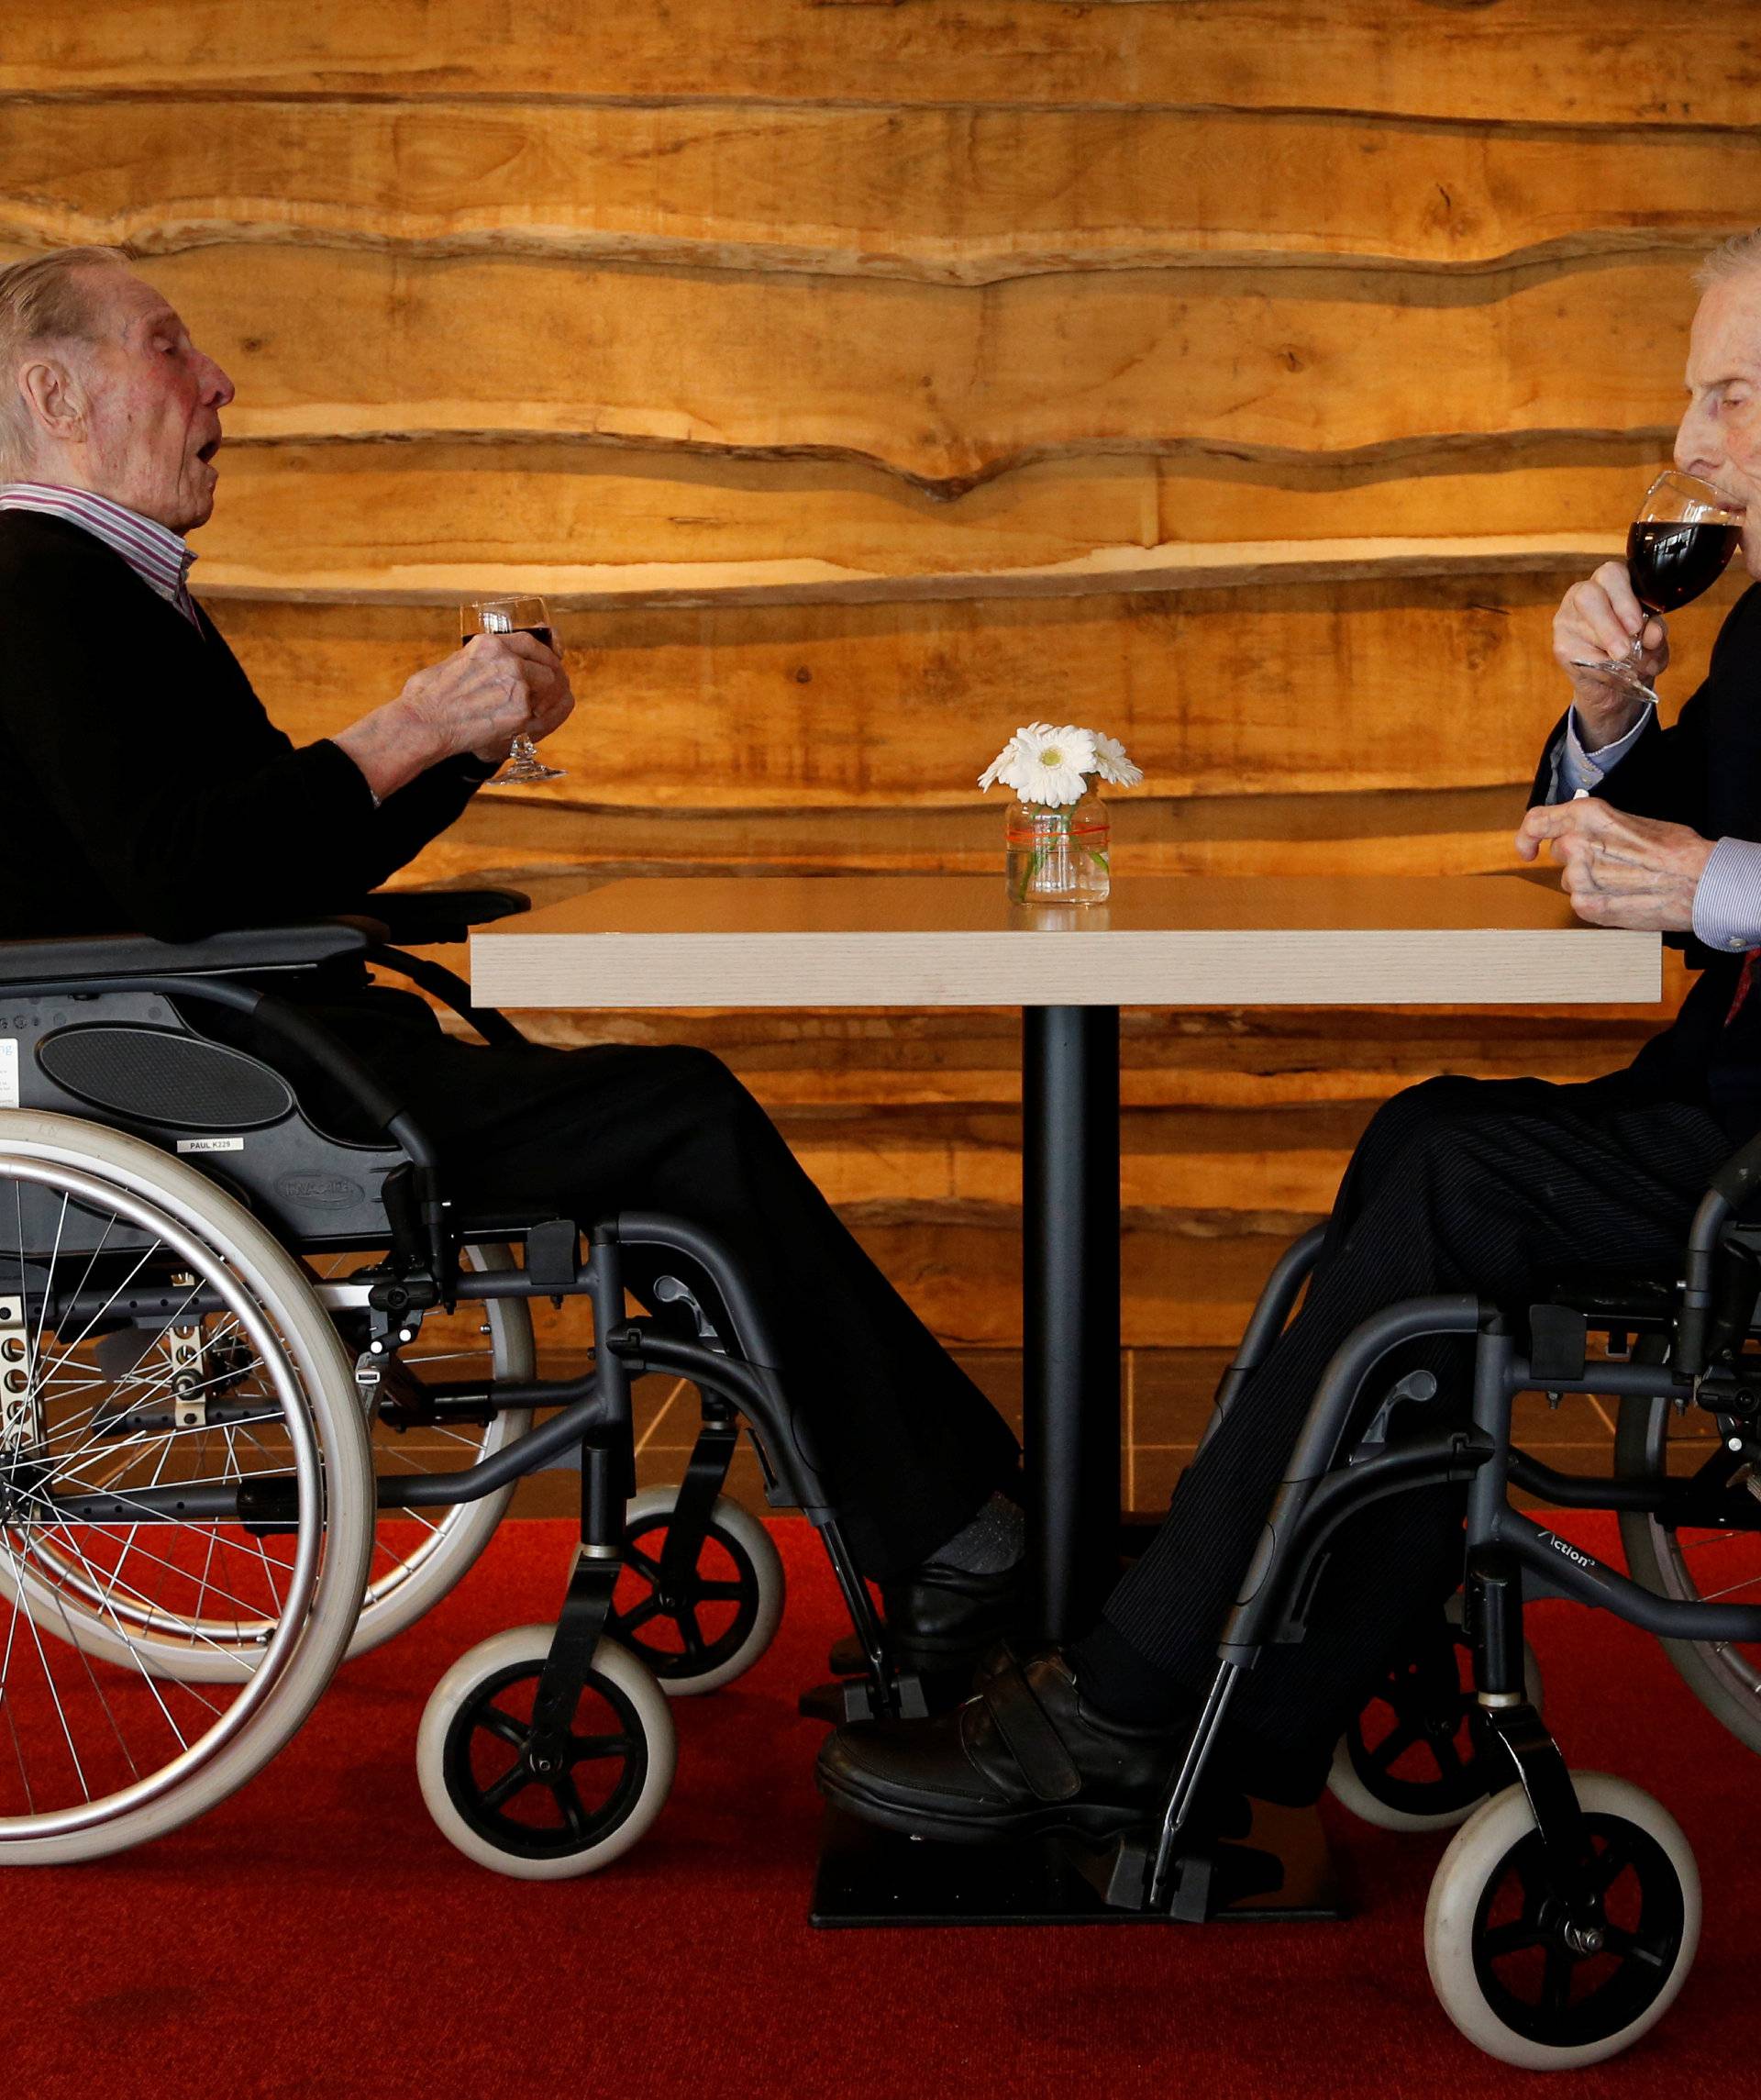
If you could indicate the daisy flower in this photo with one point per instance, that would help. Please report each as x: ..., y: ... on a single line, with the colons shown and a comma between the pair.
x: 1112, y: 765
x: 1044, y: 764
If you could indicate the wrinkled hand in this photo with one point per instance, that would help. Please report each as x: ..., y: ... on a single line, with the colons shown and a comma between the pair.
x: 497, y: 687
x: 1599, y: 619
x: 1620, y: 869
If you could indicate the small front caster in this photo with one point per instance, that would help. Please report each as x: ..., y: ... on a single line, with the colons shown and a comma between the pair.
x: 544, y: 1809
x: 1407, y: 1761
x: 699, y: 1626
x: 1551, y: 1983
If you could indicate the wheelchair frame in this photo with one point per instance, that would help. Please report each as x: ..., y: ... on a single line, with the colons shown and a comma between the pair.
x: 409, y: 1212
x: 1340, y: 1466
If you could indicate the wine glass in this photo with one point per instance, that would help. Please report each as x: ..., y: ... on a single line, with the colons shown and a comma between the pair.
x: 514, y: 615
x: 1676, y: 547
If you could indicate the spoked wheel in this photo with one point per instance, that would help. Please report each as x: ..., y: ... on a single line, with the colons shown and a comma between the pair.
x: 1653, y: 1441
x: 1408, y: 1761
x: 1522, y: 1977
x: 705, y: 1626
x: 156, y: 1340
x: 544, y: 1812
x: 419, y: 1555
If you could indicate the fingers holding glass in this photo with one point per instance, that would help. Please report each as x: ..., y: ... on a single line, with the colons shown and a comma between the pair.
x: 1677, y: 548
x: 515, y: 616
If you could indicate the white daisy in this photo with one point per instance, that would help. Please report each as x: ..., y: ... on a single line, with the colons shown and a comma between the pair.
x: 1112, y: 765
x: 1044, y: 764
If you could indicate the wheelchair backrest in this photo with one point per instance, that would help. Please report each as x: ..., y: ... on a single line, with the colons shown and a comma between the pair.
x: 130, y: 1060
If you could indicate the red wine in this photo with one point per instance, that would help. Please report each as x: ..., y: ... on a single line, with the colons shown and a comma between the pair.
x: 1671, y: 562
x: 545, y: 636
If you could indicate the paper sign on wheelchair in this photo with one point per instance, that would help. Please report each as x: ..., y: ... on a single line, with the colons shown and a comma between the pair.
x: 9, y: 1071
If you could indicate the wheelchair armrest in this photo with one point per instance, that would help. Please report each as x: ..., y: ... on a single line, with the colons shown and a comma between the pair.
x: 426, y: 918
x: 129, y: 955
x: 1716, y: 1279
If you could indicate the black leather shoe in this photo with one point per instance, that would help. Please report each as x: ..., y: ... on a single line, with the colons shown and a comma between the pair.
x: 1020, y: 1757
x: 942, y: 1619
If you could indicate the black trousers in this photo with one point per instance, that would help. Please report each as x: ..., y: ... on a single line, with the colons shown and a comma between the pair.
x: 911, y: 1446
x: 1456, y: 1185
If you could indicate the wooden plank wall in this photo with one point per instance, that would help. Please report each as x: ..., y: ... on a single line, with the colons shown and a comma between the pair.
x: 864, y: 377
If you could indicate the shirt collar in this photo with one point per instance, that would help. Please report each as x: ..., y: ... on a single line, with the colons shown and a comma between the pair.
x: 159, y: 557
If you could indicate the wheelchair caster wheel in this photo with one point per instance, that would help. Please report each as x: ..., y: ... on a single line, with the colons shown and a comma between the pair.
x: 480, y: 1785
x: 1407, y: 1761
x: 1529, y: 1984
x: 709, y: 1628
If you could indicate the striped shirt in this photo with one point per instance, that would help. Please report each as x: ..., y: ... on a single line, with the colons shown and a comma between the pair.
x: 154, y: 553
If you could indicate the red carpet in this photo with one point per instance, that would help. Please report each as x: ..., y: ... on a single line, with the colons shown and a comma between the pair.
x: 317, y: 1936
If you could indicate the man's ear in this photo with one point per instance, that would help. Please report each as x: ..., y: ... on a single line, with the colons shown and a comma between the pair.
x: 54, y: 398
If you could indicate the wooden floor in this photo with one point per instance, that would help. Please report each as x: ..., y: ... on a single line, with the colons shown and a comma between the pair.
x: 1166, y: 1397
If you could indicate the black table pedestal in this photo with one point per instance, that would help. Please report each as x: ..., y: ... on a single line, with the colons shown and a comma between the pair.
x: 1070, y: 1291
x: 1069, y: 1249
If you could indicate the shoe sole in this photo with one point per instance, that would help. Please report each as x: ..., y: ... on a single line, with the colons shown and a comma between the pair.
x: 1094, y: 1820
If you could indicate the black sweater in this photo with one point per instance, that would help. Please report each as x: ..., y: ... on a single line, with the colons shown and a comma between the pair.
x: 143, y: 788
x: 1705, y: 771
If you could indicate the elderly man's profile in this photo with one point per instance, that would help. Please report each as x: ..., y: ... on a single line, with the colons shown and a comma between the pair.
x: 143, y: 788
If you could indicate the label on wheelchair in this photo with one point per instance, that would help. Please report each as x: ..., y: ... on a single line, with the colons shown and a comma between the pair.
x: 210, y: 1144
x: 9, y: 1071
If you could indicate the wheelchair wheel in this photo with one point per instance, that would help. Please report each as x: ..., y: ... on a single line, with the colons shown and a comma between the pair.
x: 129, y: 1287
x: 1652, y: 1441
x: 1407, y: 1761
x: 473, y: 1760
x: 1510, y: 1969
x: 710, y: 1628
x: 419, y: 1555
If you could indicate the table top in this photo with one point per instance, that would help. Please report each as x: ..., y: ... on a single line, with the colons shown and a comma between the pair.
x: 955, y: 940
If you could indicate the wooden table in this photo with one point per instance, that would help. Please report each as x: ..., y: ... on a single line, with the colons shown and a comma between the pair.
x: 955, y: 940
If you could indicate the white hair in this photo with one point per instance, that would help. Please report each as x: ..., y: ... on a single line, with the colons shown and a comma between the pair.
x: 1733, y: 258
x: 46, y: 300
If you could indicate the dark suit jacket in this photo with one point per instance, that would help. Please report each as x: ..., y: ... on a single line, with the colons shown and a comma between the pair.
x: 1704, y: 772
x: 142, y: 787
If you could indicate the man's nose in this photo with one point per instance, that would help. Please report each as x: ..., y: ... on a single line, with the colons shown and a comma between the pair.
x: 1697, y: 448
x: 217, y: 387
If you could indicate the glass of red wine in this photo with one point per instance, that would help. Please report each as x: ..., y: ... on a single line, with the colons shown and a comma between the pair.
x: 1676, y: 547
x: 515, y: 616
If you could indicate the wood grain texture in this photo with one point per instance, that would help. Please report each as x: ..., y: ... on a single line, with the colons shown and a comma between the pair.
x: 942, y: 386
x: 396, y: 516
x: 549, y: 850
x: 1288, y: 690
x: 955, y: 196
x: 809, y: 580
x: 1541, y: 62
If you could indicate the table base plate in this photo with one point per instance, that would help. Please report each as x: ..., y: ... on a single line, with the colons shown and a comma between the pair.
x: 872, y: 1877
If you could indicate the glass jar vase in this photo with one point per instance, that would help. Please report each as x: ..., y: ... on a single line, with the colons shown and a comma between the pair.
x: 1059, y: 856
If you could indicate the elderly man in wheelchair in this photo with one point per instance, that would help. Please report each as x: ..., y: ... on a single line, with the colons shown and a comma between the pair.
x: 1483, y: 1231
x: 256, y: 1212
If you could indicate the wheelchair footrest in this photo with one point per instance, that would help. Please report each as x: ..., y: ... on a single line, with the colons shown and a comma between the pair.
x: 1271, y: 1862
x: 842, y: 1699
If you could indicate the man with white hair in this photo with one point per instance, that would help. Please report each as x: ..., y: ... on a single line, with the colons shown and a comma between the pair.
x: 143, y: 788
x: 1457, y: 1186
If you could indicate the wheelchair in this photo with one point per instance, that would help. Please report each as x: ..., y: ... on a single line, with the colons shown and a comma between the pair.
x: 265, y: 1393
x: 1563, y: 1916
